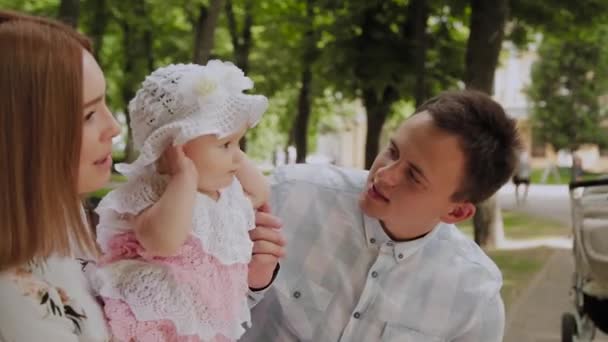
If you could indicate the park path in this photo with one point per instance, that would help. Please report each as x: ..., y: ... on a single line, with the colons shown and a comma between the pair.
x: 536, y: 315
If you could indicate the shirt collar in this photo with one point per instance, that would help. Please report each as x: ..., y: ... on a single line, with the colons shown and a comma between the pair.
x: 377, y: 238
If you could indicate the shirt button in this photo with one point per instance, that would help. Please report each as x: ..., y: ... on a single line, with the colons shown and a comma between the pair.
x: 357, y: 315
x: 400, y: 256
x: 297, y: 294
x: 374, y: 274
x: 390, y: 243
x: 372, y: 240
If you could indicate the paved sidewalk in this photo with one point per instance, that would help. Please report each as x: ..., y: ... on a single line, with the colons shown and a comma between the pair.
x: 536, y: 315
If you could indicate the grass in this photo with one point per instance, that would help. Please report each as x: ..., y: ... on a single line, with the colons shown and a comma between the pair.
x: 116, y: 177
x: 523, y: 226
x: 118, y: 156
x: 564, y: 176
x: 518, y: 268
x: 99, y: 194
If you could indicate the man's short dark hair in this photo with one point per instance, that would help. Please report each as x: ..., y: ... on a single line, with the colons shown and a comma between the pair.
x: 488, y: 138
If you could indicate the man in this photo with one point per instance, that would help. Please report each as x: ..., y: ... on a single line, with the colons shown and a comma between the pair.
x: 375, y: 256
x: 522, y: 176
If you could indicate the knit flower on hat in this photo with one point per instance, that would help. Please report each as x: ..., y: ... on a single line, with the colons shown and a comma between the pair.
x: 215, y: 82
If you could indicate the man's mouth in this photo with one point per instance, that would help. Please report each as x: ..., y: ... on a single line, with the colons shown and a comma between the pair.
x: 377, y: 194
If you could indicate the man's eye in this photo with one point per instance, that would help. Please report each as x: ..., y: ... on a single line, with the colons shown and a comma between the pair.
x: 412, y: 176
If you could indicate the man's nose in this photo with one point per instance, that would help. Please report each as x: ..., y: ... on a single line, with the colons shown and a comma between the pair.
x: 388, y: 175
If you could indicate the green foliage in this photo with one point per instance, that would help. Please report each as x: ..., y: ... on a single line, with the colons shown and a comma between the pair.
x: 529, y: 17
x: 360, y: 44
x: 567, y: 84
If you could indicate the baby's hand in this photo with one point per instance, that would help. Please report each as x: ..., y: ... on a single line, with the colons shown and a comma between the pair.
x: 175, y: 163
x: 173, y: 209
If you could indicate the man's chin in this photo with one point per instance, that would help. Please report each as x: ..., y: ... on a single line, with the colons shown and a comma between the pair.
x: 368, y: 208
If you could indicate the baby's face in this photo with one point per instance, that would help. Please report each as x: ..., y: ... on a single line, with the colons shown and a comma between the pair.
x: 216, y: 160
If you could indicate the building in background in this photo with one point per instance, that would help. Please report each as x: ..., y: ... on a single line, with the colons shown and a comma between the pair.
x: 512, y: 77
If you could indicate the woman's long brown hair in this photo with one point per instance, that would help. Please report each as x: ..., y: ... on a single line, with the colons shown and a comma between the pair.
x: 41, y: 106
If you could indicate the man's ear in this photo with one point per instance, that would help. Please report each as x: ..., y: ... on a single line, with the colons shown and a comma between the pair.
x: 459, y: 212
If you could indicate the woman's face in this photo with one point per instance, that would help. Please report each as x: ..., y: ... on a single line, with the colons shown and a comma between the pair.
x: 99, y: 127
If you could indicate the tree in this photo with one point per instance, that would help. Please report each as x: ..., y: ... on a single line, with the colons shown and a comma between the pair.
x: 567, y: 84
x: 378, y: 90
x: 309, y: 56
x: 487, y: 25
x: 204, y: 29
x: 525, y: 18
x: 369, y: 58
x: 98, y: 23
x: 138, y: 56
x: 241, y: 40
x: 284, y: 66
x: 69, y: 12
x: 420, y: 12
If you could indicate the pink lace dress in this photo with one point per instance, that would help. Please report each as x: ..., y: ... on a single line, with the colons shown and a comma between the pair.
x: 200, y: 294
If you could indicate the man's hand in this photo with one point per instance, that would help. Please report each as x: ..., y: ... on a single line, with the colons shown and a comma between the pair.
x: 268, y: 248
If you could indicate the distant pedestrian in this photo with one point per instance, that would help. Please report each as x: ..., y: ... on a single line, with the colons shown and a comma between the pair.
x: 522, y: 176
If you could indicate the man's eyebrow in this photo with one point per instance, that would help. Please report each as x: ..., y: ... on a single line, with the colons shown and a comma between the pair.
x: 418, y: 170
x: 414, y: 167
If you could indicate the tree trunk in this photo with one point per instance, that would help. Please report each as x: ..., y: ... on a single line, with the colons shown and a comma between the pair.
x: 419, y: 15
x: 241, y: 41
x: 127, y: 87
x: 204, y: 36
x: 487, y: 223
x: 69, y: 11
x: 310, y: 54
x: 487, y: 24
x: 377, y: 110
x: 302, y: 118
x: 139, y: 61
x: 98, y: 27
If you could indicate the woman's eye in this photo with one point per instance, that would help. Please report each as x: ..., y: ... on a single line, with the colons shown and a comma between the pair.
x: 89, y: 116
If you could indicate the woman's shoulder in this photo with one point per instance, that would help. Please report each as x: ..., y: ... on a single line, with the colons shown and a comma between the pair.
x: 35, y: 306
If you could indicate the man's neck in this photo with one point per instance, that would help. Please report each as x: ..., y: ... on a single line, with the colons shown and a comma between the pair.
x: 419, y: 233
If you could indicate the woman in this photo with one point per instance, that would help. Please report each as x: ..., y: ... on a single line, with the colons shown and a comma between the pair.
x: 56, y: 145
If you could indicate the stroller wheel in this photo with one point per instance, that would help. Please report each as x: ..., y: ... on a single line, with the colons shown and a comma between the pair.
x: 568, y: 327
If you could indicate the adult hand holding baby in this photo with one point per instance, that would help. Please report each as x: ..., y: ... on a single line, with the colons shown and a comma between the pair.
x: 268, y: 248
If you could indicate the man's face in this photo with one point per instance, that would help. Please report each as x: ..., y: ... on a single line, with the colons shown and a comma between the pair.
x: 411, y: 183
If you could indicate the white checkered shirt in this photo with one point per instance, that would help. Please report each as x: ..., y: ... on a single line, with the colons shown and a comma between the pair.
x: 344, y: 280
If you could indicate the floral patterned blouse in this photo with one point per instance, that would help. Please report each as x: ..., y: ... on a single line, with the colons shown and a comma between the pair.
x: 49, y: 301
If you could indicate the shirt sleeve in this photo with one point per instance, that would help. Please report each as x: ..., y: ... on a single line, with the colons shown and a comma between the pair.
x: 254, y: 296
x: 488, y: 325
x: 22, y: 320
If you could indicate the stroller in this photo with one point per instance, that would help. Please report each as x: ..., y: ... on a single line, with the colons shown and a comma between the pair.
x: 589, y: 202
